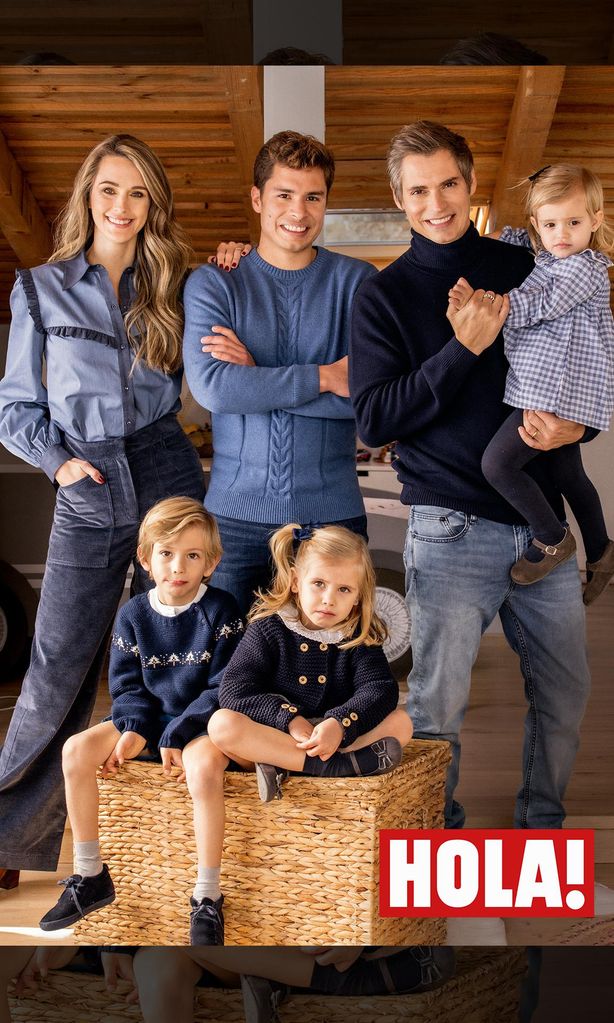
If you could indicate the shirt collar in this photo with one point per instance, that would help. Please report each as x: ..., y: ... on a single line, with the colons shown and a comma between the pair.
x: 290, y: 617
x: 76, y: 268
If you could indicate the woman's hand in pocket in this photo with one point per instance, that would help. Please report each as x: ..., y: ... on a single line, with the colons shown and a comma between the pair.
x: 76, y: 469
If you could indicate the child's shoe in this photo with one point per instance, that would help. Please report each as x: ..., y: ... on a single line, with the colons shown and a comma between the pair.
x: 207, y: 922
x: 269, y: 780
x: 262, y: 998
x: 83, y: 895
x: 600, y: 574
x: 381, y: 757
x: 525, y: 572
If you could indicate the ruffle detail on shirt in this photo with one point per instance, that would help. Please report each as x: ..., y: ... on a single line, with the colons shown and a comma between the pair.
x: 29, y: 288
x: 84, y: 334
x: 291, y: 620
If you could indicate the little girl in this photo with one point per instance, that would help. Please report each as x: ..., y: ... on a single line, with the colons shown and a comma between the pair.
x: 309, y: 688
x: 559, y: 342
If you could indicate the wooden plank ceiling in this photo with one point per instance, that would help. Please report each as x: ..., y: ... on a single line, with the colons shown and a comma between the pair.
x: 206, y: 123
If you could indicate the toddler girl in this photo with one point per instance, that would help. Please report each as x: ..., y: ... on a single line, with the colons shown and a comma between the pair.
x: 309, y: 688
x: 559, y: 342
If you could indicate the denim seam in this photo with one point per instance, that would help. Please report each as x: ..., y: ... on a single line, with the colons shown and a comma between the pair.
x: 525, y: 661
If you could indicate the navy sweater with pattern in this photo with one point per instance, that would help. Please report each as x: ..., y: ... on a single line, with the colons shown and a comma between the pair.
x: 275, y: 675
x: 164, y: 673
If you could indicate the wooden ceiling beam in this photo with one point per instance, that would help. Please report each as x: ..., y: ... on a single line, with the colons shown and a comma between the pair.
x: 529, y: 125
x: 245, y: 109
x: 21, y: 221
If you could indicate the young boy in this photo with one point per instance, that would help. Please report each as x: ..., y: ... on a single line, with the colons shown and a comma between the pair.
x: 169, y: 649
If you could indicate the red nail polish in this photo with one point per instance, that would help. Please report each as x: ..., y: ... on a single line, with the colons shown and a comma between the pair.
x: 234, y: 264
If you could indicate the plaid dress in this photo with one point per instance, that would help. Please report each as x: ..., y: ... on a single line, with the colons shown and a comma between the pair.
x: 559, y: 339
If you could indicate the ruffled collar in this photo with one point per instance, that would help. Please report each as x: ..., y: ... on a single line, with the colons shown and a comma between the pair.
x: 290, y: 618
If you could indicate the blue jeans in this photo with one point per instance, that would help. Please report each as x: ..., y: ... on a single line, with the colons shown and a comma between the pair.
x: 246, y: 562
x: 457, y: 579
x: 93, y: 540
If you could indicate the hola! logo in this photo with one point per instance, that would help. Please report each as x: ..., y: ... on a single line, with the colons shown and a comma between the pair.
x: 487, y: 873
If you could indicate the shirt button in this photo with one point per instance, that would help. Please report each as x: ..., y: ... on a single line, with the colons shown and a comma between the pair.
x: 126, y: 388
x: 302, y: 679
x: 321, y: 679
x: 128, y: 422
x: 323, y: 646
x: 354, y: 716
x: 346, y: 722
x: 304, y: 647
x: 122, y: 347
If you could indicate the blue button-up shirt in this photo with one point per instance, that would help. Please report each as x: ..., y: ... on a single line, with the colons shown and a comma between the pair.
x: 66, y: 317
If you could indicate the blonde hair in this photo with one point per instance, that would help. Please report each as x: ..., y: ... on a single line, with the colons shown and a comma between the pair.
x: 555, y: 183
x: 333, y: 543
x: 168, y: 518
x: 154, y: 324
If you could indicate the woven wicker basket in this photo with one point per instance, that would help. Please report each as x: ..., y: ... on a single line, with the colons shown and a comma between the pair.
x: 484, y: 989
x: 303, y: 870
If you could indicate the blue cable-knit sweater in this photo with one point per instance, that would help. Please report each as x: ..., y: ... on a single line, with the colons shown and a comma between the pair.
x: 164, y: 673
x: 282, y: 451
x: 276, y: 674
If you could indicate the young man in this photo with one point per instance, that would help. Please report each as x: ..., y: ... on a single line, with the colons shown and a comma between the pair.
x: 437, y: 390
x: 272, y: 369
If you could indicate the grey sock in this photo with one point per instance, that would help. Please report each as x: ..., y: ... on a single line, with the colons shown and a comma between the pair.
x: 207, y: 884
x: 88, y: 861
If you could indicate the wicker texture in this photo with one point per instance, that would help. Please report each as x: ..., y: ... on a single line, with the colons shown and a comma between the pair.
x: 302, y: 870
x: 484, y: 989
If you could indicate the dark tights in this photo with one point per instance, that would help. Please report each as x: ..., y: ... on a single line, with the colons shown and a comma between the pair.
x: 503, y: 465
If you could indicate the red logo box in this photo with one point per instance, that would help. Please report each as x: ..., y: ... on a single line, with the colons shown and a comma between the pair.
x: 504, y: 873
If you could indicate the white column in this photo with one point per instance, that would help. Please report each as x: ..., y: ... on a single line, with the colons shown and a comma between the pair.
x: 294, y: 99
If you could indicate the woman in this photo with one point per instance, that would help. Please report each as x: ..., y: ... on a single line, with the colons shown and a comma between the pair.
x: 105, y: 314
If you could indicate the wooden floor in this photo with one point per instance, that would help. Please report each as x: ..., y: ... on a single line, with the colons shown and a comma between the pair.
x: 490, y: 776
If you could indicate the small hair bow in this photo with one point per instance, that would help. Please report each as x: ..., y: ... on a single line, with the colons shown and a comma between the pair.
x: 300, y: 533
x: 535, y: 175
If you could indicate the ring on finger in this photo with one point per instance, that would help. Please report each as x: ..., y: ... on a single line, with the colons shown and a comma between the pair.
x: 490, y: 295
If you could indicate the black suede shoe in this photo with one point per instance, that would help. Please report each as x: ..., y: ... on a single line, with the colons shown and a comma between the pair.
x: 269, y: 780
x: 207, y: 922
x: 83, y: 895
x: 262, y: 998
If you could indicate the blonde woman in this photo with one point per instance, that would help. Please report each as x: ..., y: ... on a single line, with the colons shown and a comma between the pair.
x: 105, y: 315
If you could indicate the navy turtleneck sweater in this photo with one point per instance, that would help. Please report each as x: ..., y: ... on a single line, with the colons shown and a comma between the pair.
x: 413, y: 382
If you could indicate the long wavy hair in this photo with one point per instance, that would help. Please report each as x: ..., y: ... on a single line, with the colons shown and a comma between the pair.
x: 154, y: 324
x: 333, y: 543
x: 552, y: 184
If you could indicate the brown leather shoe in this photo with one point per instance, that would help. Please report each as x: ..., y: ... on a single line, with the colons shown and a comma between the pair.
x: 601, y: 573
x: 8, y: 878
x: 525, y: 572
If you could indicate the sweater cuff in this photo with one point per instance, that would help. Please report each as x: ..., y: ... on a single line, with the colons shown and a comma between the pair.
x: 147, y: 732
x: 285, y: 714
x: 52, y: 459
x: 349, y: 723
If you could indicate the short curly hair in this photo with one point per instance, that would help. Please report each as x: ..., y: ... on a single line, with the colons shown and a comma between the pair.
x: 296, y: 151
